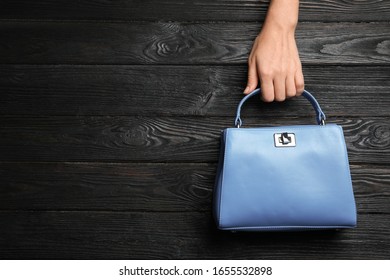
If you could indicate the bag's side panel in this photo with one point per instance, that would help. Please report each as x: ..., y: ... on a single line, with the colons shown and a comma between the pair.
x: 268, y: 187
x: 348, y: 189
x: 219, y: 180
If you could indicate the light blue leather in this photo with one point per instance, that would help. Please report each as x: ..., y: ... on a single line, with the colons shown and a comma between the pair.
x: 320, y: 114
x: 263, y: 187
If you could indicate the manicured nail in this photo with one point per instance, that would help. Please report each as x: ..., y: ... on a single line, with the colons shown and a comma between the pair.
x: 246, y: 90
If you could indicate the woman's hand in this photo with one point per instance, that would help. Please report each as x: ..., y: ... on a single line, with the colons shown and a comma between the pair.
x: 274, y: 60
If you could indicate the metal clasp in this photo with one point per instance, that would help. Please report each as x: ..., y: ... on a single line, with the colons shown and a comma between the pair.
x: 284, y: 139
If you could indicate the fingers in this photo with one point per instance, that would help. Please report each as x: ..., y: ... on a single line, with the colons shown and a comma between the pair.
x: 267, y: 88
x: 252, y: 78
x: 299, y: 82
x: 280, y: 88
x: 290, y: 87
x: 275, y: 85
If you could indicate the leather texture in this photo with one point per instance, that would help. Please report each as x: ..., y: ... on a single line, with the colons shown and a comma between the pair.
x: 262, y: 187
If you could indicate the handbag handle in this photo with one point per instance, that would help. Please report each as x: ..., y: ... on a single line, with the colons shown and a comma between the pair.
x: 320, y: 115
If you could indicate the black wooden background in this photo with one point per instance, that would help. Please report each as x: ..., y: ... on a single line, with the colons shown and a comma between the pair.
x: 111, y: 113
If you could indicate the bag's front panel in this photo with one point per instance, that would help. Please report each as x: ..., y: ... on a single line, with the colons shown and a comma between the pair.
x: 306, y: 185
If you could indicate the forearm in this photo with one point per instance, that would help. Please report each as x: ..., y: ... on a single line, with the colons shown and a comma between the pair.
x: 283, y: 14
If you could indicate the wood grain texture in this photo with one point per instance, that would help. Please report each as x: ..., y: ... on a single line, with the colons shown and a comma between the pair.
x: 106, y: 186
x: 187, y: 139
x: 183, y: 43
x: 182, y: 90
x: 145, y: 187
x: 201, y: 10
x: 111, y: 112
x: 124, y: 235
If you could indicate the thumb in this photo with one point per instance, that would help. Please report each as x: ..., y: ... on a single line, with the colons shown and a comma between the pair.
x: 252, y: 78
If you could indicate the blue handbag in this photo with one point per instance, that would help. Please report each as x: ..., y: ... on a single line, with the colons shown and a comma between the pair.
x: 283, y: 178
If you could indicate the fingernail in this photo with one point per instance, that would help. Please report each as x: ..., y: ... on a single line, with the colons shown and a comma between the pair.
x: 246, y: 90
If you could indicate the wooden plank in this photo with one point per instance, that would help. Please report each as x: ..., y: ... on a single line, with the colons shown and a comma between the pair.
x: 183, y: 43
x: 188, y: 139
x: 182, y: 90
x: 106, y: 186
x: 124, y: 235
x: 201, y: 10
x: 371, y: 188
x: 145, y: 187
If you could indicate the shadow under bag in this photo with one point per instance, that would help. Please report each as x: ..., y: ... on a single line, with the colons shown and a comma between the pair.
x: 283, y: 178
